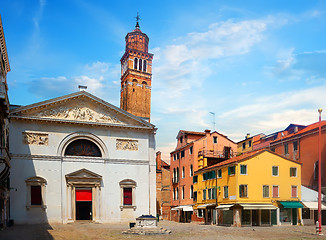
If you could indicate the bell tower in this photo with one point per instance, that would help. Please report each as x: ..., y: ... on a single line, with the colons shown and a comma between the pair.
x: 136, y: 74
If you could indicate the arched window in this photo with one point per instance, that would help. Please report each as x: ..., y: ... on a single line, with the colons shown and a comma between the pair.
x: 144, y: 84
x: 83, y: 147
x: 140, y: 65
x: 145, y: 66
x: 135, y: 63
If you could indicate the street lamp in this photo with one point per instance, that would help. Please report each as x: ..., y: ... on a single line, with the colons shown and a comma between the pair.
x: 319, y: 174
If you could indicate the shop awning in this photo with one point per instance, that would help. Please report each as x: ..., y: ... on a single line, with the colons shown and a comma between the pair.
x: 206, y: 205
x: 291, y: 204
x: 224, y: 206
x: 185, y: 208
x: 313, y: 205
x: 248, y: 206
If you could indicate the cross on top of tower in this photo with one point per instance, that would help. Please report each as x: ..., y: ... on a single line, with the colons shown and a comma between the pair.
x: 137, y: 20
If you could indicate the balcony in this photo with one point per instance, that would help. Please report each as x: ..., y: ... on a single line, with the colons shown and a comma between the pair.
x: 226, y: 154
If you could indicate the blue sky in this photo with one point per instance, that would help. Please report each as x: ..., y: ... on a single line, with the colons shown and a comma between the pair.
x: 258, y: 65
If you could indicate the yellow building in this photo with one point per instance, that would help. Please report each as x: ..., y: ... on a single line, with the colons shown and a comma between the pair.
x: 256, y: 188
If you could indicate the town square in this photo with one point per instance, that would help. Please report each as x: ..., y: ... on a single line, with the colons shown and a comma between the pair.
x: 162, y: 120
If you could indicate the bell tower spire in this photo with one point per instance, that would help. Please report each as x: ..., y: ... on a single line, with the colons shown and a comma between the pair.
x: 136, y: 74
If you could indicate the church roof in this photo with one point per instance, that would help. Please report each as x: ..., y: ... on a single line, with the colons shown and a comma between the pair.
x: 80, y: 108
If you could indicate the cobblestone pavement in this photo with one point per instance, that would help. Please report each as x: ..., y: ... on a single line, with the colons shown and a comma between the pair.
x: 189, y: 231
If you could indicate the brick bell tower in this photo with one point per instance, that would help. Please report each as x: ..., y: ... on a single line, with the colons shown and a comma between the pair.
x: 136, y: 74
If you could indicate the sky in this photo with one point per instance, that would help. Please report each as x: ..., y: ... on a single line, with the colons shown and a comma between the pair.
x: 247, y: 66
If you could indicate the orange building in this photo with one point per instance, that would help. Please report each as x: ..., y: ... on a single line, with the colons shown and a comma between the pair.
x: 192, y: 151
x: 163, y: 188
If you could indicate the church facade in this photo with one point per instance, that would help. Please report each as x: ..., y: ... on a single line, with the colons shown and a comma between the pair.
x: 77, y: 157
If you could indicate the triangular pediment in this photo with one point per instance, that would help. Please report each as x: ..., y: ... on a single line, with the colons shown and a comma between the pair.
x: 83, y: 173
x: 80, y: 107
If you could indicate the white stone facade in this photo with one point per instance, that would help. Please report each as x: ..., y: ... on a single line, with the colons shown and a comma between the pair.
x: 39, y: 136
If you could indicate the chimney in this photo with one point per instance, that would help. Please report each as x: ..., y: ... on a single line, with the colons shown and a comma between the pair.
x: 207, y: 131
x: 248, y: 135
x: 158, y: 160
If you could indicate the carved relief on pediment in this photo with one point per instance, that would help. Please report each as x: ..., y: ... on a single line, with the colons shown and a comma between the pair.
x: 78, y: 114
x: 35, y: 138
x: 127, y: 144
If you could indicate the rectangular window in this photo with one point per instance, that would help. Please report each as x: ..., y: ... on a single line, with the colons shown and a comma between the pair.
x: 127, y: 196
x: 213, y: 193
x: 195, y: 179
x: 266, y: 191
x: 286, y: 148
x: 215, y: 139
x: 190, y: 150
x: 244, y: 145
x: 294, y: 191
x: 243, y: 191
x: 183, y: 193
x: 249, y: 143
x: 204, y: 194
x: 178, y: 156
x: 226, y: 192
x: 200, y: 213
x: 295, y: 146
x: 181, y: 138
x: 182, y: 153
x: 231, y: 170
x: 210, y: 193
x: 195, y: 196
x: 275, y: 171
x: 36, y: 195
x: 174, y: 157
x: 243, y: 169
x: 219, y: 173
x: 293, y: 172
x: 275, y: 191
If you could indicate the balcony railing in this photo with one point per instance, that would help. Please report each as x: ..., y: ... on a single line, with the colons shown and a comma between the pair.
x: 216, y: 154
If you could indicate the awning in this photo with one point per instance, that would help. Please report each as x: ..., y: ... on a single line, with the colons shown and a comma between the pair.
x: 206, y: 205
x: 224, y: 206
x: 291, y: 204
x: 313, y: 205
x: 185, y: 208
x: 248, y: 206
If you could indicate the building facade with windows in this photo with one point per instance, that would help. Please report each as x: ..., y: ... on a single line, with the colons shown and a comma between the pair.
x: 194, y: 149
x: 255, y: 188
x: 77, y: 157
x: 4, y: 132
x: 302, y: 146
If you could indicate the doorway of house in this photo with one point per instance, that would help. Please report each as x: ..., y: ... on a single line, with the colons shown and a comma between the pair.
x: 84, y: 204
x: 255, y: 217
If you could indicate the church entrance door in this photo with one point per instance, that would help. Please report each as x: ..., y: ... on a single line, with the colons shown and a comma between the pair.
x: 84, y: 204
